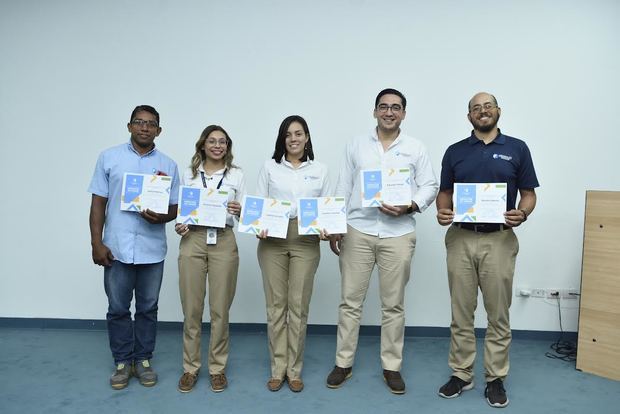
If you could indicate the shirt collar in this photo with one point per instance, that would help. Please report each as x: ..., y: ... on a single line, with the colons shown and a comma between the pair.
x: 289, y: 165
x: 375, y: 137
x: 131, y: 148
x: 499, y: 139
x: 201, y: 168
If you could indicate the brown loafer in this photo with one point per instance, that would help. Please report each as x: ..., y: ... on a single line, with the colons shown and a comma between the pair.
x: 296, y: 385
x: 274, y: 384
x: 187, y: 382
x: 218, y: 382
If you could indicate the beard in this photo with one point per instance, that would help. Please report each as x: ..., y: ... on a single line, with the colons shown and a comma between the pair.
x: 486, y: 127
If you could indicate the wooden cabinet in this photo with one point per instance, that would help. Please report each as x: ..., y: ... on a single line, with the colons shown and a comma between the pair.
x: 598, y: 348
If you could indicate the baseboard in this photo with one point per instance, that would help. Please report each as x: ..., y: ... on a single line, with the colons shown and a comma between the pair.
x: 261, y: 328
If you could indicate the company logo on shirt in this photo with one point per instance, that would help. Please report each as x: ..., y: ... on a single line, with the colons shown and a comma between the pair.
x: 402, y: 154
x: 501, y: 156
x: 311, y: 177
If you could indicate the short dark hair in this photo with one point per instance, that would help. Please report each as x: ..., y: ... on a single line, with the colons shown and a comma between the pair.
x: 145, y: 108
x: 280, y: 149
x: 390, y: 91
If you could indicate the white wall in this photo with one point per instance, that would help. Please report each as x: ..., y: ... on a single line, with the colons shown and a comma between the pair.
x: 72, y: 71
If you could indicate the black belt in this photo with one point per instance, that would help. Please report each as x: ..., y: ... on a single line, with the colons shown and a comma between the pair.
x: 482, y: 227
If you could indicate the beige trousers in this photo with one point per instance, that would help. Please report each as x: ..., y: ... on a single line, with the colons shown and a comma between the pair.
x: 358, y: 255
x: 217, y: 263
x: 485, y: 261
x: 288, y: 267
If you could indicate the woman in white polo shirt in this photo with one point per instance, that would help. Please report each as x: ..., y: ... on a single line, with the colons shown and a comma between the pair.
x: 288, y: 265
x: 209, y: 254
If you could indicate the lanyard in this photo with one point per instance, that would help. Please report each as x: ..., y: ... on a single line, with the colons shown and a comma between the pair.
x: 204, y: 180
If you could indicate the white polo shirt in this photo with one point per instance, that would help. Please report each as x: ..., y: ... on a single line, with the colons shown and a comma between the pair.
x: 367, y: 153
x: 282, y: 181
x: 233, y: 182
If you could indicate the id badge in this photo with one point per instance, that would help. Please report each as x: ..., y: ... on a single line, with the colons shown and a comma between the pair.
x: 211, y: 235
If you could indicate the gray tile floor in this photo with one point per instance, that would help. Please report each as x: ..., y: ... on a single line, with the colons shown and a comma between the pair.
x: 66, y: 371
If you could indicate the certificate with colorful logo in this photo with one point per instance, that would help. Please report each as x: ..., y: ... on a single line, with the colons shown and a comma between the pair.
x: 390, y: 186
x: 145, y: 191
x: 259, y: 213
x: 479, y: 202
x: 202, y: 206
x: 317, y: 213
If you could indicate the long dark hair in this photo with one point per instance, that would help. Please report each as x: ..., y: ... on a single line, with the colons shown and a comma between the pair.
x: 280, y: 149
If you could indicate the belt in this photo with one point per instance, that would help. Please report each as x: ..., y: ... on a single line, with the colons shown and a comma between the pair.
x: 482, y: 227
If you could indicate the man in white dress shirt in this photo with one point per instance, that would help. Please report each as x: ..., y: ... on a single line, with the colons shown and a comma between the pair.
x: 383, y: 235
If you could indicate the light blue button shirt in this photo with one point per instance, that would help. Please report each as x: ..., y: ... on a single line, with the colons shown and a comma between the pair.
x: 131, y: 238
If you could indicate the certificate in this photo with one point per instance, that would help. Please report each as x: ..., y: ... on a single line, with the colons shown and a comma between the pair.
x: 390, y: 186
x: 145, y: 191
x: 318, y: 213
x: 259, y: 213
x: 479, y: 202
x: 202, y: 206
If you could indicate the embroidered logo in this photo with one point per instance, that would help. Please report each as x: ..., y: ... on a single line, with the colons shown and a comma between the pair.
x: 311, y: 177
x: 501, y: 156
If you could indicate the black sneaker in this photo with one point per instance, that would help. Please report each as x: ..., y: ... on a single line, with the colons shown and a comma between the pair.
x: 454, y: 387
x: 496, y: 393
x: 338, y: 376
x: 394, y: 381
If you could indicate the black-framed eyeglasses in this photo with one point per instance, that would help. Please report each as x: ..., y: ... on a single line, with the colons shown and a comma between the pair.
x: 142, y: 122
x: 486, y: 106
x: 396, y: 108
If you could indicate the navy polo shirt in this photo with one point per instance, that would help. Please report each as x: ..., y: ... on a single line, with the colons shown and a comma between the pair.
x: 504, y: 160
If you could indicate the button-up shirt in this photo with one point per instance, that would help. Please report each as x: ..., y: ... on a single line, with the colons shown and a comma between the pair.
x: 282, y: 181
x: 132, y: 239
x: 367, y: 152
x: 233, y: 182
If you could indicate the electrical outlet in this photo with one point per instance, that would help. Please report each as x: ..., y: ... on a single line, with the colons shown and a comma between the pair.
x: 538, y: 293
x: 553, y: 293
x: 570, y: 293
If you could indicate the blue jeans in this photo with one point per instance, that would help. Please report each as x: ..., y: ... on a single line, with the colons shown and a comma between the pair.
x: 132, y: 341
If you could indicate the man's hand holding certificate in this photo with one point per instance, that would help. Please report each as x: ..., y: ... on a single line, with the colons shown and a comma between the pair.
x: 390, y: 186
x: 202, y: 206
x: 321, y: 213
x: 479, y: 202
x: 145, y: 191
x: 259, y: 213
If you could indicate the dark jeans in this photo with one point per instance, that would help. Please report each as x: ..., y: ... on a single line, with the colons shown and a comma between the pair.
x: 132, y: 341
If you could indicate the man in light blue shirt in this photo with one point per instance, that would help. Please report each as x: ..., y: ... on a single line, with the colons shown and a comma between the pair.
x: 133, y: 247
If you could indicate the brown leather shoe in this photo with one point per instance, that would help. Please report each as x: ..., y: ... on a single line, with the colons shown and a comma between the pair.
x: 295, y: 385
x: 338, y: 376
x: 218, y: 382
x: 187, y: 382
x: 394, y: 381
x: 274, y: 384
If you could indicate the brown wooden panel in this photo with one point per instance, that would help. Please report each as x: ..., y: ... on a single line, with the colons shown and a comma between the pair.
x: 599, y: 315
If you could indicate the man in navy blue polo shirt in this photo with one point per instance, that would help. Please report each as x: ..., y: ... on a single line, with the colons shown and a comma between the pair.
x: 483, y: 255
x: 133, y: 248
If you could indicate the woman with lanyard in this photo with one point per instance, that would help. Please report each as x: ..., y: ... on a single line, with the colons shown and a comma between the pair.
x: 209, y: 253
x: 288, y: 265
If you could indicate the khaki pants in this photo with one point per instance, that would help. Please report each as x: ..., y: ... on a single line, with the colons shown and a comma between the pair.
x: 219, y: 264
x: 485, y: 260
x: 288, y: 267
x: 358, y: 256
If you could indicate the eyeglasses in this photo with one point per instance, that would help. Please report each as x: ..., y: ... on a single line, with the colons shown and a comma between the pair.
x: 477, y: 108
x: 141, y: 122
x: 396, y: 108
x: 214, y: 142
